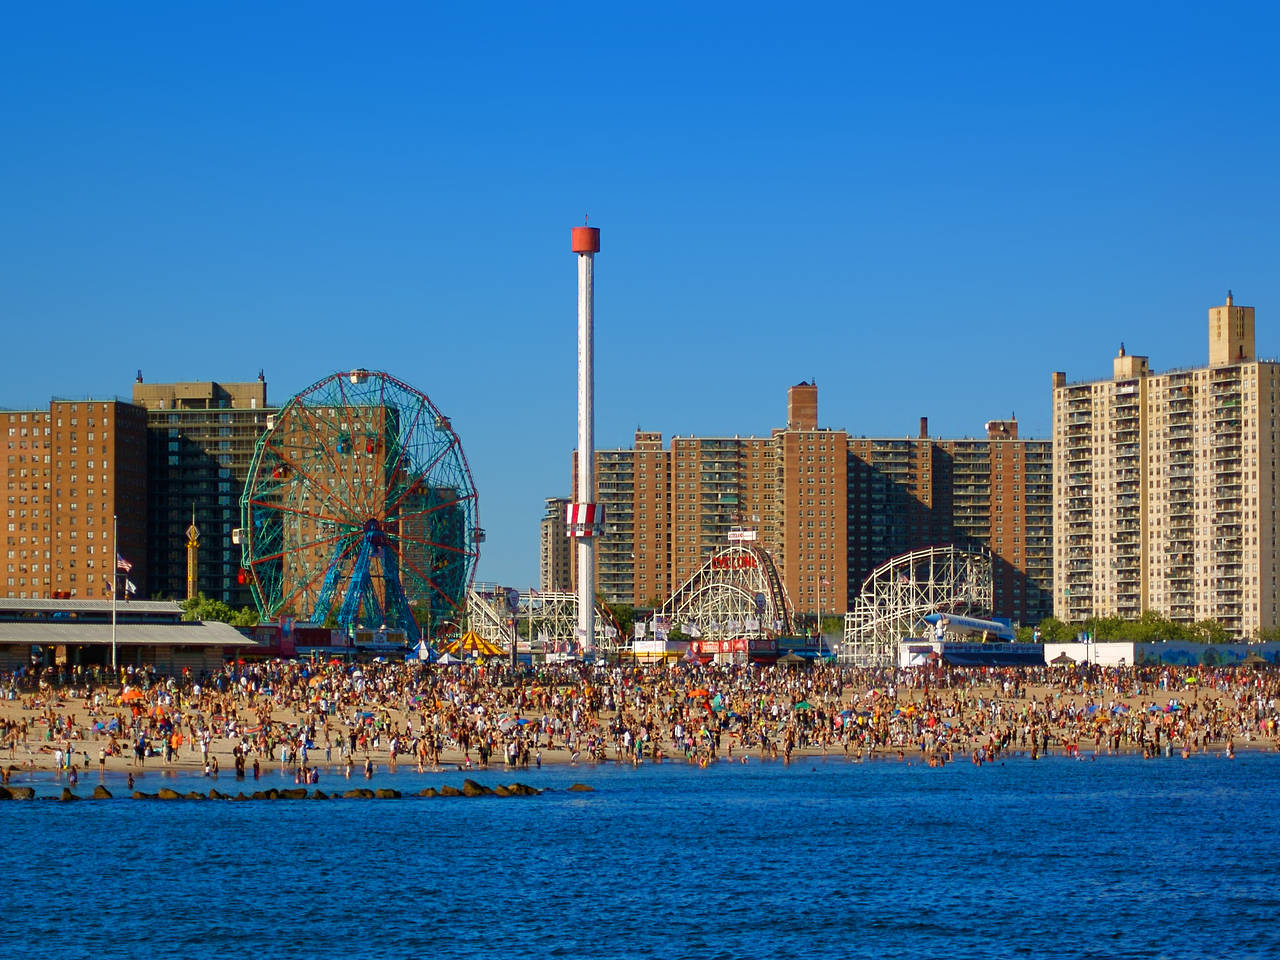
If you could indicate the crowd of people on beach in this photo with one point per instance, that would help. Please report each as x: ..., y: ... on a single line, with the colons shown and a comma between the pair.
x: 356, y: 718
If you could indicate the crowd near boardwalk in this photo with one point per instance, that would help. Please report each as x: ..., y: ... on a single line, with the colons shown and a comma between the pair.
x: 304, y: 719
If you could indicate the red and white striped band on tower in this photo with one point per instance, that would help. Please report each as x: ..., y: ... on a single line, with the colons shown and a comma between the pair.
x: 584, y: 519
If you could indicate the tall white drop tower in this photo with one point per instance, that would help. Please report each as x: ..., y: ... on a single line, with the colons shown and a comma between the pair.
x: 586, y: 518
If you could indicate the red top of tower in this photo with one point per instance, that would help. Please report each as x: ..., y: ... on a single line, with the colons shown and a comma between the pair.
x: 585, y: 240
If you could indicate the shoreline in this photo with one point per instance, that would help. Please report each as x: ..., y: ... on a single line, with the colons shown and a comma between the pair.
x: 560, y: 760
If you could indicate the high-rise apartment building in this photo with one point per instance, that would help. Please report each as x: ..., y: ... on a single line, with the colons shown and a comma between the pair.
x: 70, y: 470
x: 633, y: 559
x: 200, y: 443
x: 828, y: 507
x: 809, y: 507
x: 718, y: 484
x: 554, y: 571
x: 1166, y: 486
x: 907, y: 493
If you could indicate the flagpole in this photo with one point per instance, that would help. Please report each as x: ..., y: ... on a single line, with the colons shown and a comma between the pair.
x: 115, y: 573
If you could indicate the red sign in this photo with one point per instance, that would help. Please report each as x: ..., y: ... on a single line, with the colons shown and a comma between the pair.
x: 734, y: 562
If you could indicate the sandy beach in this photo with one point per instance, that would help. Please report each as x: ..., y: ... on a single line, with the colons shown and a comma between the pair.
x: 341, y: 720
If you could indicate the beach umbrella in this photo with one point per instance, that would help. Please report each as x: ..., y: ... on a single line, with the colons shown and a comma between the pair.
x: 130, y: 695
x: 804, y: 705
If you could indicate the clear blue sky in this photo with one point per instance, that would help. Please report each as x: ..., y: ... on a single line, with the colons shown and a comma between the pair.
x: 927, y: 208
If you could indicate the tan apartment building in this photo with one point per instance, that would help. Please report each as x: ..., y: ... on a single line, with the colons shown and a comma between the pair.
x: 1166, y: 486
x: 70, y: 469
x: 554, y: 571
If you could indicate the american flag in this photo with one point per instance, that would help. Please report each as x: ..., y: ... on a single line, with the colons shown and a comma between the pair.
x: 123, y: 564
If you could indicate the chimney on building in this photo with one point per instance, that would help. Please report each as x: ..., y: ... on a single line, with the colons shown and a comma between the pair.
x: 924, y: 428
x: 802, y: 406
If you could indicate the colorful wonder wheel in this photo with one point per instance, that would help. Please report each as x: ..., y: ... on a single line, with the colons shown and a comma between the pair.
x: 359, y: 510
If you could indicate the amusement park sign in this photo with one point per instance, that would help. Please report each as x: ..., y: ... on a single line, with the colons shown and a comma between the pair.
x: 734, y: 562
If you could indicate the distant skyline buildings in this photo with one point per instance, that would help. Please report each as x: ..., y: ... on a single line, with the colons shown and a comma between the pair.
x: 1165, y: 486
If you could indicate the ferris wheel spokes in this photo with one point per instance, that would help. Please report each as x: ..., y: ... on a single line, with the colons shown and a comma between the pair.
x: 361, y: 507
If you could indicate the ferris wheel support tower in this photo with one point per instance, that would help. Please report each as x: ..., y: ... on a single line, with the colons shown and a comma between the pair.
x: 586, y: 518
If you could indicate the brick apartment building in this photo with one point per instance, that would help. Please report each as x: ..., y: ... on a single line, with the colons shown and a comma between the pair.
x: 829, y: 507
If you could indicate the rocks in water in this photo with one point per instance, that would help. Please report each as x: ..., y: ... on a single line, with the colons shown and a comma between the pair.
x: 470, y: 788
x: 582, y: 788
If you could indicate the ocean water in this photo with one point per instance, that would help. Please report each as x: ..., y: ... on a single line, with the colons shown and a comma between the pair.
x: 1114, y: 858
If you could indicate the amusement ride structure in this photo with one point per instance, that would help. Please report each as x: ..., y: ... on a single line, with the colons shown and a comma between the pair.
x: 902, y: 591
x: 737, y: 594
x: 359, y: 510
x: 550, y: 620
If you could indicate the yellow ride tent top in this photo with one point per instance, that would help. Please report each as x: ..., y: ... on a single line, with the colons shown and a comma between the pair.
x: 471, y: 644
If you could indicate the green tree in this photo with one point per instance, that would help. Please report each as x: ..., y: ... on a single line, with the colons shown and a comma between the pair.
x: 625, y: 614
x: 1211, y: 631
x: 1053, y: 630
x: 203, y: 608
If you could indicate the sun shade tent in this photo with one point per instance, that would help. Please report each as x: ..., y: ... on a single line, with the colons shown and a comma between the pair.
x: 471, y: 644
